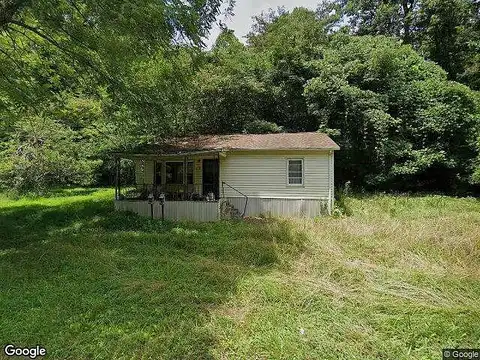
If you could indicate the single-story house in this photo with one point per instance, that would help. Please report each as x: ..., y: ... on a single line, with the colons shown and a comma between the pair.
x: 210, y: 177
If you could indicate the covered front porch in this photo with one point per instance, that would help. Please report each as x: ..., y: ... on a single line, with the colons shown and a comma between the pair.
x: 187, y: 184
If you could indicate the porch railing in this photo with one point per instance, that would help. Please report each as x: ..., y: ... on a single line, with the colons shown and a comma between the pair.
x: 237, y: 191
x: 172, y: 192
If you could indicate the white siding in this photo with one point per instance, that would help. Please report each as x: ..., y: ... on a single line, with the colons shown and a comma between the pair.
x: 281, y: 207
x: 209, y: 211
x: 144, y: 172
x: 149, y: 172
x: 139, y: 172
x: 331, y: 195
x: 264, y: 175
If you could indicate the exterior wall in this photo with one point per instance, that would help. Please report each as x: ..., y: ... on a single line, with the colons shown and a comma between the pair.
x: 281, y: 207
x: 144, y: 172
x: 331, y: 195
x: 139, y: 172
x: 149, y: 172
x: 174, y: 210
x: 264, y: 174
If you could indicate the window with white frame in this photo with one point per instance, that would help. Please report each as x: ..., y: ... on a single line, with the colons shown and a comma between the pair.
x: 295, y: 171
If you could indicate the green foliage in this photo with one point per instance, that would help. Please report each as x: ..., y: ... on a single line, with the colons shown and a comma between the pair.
x: 399, y: 121
x: 228, y: 95
x: 109, y: 77
x: 445, y: 31
x: 43, y: 153
x: 396, y: 116
x: 258, y: 87
x: 116, y: 71
x: 342, y: 206
x: 290, y: 43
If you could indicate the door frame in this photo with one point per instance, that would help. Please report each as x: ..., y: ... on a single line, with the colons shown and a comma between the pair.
x: 215, y: 185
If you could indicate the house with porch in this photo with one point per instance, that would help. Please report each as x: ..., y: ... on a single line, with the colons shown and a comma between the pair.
x: 211, y: 177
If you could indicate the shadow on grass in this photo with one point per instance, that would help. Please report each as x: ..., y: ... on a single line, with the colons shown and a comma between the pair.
x: 85, y: 281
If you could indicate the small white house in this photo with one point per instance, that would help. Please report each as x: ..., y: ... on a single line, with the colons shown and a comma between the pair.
x: 208, y: 178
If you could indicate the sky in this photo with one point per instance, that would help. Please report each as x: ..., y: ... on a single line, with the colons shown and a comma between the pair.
x: 241, y: 22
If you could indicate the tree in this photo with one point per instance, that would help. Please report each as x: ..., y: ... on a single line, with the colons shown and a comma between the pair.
x: 400, y: 122
x: 129, y: 59
x: 290, y: 42
x: 445, y: 31
x: 43, y: 152
x: 398, y: 119
x: 447, y: 34
x: 104, y: 42
x: 228, y: 95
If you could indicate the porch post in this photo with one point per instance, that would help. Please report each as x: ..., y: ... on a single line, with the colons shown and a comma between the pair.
x: 185, y: 186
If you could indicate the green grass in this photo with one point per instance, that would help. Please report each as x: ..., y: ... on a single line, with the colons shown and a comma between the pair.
x: 400, y: 279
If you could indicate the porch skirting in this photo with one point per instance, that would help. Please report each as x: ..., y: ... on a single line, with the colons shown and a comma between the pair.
x: 281, y: 207
x: 174, y: 210
x: 210, y: 211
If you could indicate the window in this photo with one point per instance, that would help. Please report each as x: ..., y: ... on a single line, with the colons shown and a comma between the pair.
x: 295, y: 171
x: 174, y: 172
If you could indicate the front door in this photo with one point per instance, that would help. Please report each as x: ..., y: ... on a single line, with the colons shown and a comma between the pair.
x: 210, y: 177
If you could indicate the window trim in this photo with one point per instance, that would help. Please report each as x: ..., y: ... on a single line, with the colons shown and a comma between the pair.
x: 302, y: 184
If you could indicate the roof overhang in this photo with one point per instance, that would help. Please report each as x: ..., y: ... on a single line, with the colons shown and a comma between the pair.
x: 127, y: 155
x: 220, y: 152
x: 286, y: 149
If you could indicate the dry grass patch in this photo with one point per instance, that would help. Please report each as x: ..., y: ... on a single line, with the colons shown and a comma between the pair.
x: 397, y: 280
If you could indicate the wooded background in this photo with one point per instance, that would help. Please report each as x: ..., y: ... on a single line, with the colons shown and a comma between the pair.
x: 395, y: 83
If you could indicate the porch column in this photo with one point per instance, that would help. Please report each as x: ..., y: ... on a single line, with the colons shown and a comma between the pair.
x: 185, y: 186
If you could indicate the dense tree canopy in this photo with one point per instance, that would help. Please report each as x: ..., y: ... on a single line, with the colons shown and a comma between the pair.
x: 93, y: 75
x: 445, y: 31
x: 400, y: 122
x: 394, y: 83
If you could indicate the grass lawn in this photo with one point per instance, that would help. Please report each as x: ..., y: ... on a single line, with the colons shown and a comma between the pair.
x: 400, y: 279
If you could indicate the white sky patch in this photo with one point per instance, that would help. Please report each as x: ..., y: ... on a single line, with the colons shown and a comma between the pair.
x: 242, y: 21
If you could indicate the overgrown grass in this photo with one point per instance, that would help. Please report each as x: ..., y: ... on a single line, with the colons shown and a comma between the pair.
x: 400, y: 279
